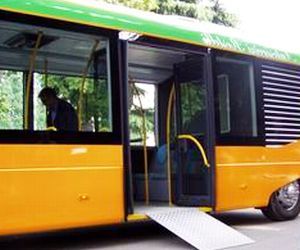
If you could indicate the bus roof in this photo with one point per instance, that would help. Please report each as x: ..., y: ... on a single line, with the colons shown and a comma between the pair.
x: 145, y: 23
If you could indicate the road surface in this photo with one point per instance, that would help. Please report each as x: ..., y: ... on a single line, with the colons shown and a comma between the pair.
x: 144, y: 236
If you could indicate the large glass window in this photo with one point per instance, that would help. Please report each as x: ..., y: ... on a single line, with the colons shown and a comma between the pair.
x: 95, y: 101
x: 74, y: 66
x: 236, y: 98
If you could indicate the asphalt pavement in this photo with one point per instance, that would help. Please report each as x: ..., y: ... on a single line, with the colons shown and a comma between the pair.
x: 268, y: 235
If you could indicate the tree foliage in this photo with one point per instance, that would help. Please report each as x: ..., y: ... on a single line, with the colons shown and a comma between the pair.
x: 184, y: 8
x: 11, y: 100
x: 221, y: 16
x: 147, y: 5
x: 212, y: 12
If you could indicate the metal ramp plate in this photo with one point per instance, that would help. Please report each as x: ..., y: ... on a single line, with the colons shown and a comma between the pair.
x: 198, y: 228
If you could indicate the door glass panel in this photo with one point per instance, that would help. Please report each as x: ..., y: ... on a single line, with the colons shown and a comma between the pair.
x: 192, y: 175
x: 192, y: 107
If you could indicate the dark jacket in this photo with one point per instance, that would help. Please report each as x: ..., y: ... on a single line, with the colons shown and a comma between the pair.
x: 65, y: 118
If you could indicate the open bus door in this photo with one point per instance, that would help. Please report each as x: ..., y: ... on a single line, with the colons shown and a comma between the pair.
x: 195, y: 135
x: 193, y: 163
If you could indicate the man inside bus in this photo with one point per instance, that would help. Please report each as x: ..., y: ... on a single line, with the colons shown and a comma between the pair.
x: 60, y: 114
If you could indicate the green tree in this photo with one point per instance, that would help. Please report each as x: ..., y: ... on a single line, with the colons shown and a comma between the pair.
x: 147, y: 5
x: 185, y: 8
x: 11, y: 100
x: 221, y: 16
x: 212, y: 12
x: 137, y: 111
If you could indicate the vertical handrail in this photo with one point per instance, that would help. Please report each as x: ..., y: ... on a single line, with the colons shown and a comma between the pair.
x: 84, y: 75
x: 46, y: 85
x: 29, y: 78
x: 169, y: 171
x: 46, y: 72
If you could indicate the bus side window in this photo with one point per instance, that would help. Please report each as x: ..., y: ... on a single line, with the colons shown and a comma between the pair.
x: 95, y: 115
x: 83, y: 81
x: 75, y: 65
x: 236, y: 97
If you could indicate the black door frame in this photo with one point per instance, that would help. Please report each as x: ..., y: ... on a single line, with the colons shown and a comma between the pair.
x: 188, y: 48
x: 209, y: 199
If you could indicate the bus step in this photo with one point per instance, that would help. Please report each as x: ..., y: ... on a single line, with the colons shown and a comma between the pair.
x: 198, y: 228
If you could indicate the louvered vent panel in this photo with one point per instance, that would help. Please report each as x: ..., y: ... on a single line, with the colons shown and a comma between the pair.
x: 281, y: 90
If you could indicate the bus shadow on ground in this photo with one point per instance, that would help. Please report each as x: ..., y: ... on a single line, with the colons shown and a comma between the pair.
x: 118, y: 235
x: 243, y: 217
x: 88, y: 238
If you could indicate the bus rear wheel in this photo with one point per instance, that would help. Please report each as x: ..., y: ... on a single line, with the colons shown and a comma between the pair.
x: 284, y: 204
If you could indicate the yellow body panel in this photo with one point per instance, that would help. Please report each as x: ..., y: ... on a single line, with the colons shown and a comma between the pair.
x: 45, y: 187
x: 247, y: 176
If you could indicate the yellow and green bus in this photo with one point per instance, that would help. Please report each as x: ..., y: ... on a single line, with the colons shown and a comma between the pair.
x: 223, y: 117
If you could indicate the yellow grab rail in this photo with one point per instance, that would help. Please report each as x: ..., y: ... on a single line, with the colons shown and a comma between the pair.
x: 168, y: 132
x: 46, y: 72
x: 52, y: 128
x: 84, y: 76
x: 29, y: 78
x: 199, y: 146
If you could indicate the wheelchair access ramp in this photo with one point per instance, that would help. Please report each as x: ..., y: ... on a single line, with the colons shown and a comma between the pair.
x: 197, y: 228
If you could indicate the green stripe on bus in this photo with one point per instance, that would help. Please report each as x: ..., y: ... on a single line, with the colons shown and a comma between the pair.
x: 113, y: 18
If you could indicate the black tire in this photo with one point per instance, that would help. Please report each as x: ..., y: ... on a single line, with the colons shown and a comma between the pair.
x: 284, y: 204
